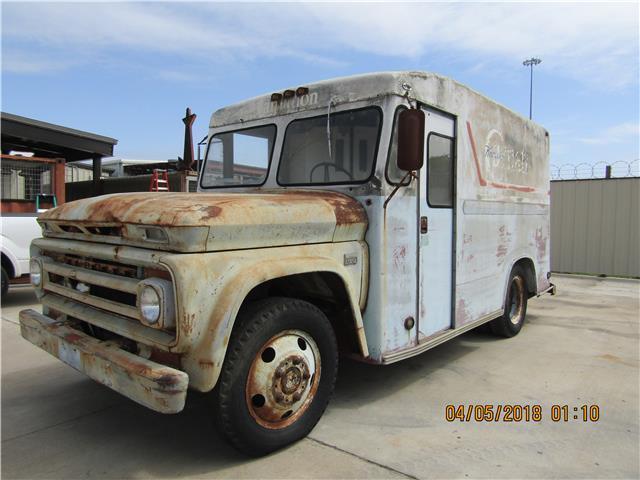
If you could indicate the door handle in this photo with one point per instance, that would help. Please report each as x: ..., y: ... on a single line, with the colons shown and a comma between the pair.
x: 424, y: 225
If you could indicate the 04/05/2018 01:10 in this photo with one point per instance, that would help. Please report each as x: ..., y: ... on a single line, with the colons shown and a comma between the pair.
x: 520, y: 413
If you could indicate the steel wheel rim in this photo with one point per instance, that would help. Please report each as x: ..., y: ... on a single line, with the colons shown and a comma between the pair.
x: 516, y: 295
x: 283, y: 379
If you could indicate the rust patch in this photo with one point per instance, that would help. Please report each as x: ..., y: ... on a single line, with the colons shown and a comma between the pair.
x: 110, y: 210
x: 165, y: 358
x: 127, y: 365
x: 211, y: 211
x: 157, y: 273
x: 173, y: 209
x: 188, y: 323
x: 73, y: 338
x: 280, y: 386
x: 205, y: 363
x: 462, y: 313
x: 105, y: 266
x: 347, y: 210
x: 399, y: 253
x: 541, y: 243
x: 504, y: 237
x: 166, y: 380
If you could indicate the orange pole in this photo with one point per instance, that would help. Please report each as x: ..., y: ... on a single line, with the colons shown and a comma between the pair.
x: 59, y: 179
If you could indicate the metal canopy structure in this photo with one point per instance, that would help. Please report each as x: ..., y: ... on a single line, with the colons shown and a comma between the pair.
x: 54, y: 141
x: 49, y: 140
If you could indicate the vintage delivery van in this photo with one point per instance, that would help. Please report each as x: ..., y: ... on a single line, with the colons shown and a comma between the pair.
x: 373, y: 216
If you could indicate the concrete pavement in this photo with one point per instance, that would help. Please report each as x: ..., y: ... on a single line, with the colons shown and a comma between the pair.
x: 578, y: 348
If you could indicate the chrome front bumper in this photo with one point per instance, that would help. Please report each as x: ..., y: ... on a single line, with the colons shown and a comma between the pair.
x: 151, y: 384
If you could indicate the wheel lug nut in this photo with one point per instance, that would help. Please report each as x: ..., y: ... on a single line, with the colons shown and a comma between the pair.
x: 296, y: 361
x: 279, y: 372
x: 279, y: 396
x: 306, y: 375
x: 297, y: 396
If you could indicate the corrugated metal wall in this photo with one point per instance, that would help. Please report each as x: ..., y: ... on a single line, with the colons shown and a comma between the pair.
x: 595, y: 226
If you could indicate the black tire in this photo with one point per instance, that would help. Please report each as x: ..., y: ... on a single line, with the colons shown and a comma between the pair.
x: 5, y: 282
x: 271, y: 336
x: 515, y: 306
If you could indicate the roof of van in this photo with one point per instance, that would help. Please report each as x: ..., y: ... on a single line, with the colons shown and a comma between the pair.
x: 436, y: 90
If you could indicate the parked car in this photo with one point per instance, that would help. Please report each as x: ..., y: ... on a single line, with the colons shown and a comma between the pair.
x: 16, y: 234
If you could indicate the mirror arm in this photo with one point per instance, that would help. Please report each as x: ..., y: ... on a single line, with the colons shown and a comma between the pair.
x: 401, y: 184
x: 407, y: 90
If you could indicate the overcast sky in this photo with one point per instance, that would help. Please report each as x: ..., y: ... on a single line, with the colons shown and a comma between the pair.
x: 128, y: 70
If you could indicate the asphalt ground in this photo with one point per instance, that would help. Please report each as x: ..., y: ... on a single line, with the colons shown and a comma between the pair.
x: 578, y: 348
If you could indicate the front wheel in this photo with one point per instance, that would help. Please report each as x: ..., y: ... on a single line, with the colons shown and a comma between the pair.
x: 278, y: 376
x: 515, y: 308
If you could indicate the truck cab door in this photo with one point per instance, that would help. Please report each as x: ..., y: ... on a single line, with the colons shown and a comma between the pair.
x: 435, y: 225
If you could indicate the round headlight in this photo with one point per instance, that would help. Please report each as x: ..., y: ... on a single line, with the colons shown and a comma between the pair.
x: 149, y: 304
x: 35, y: 269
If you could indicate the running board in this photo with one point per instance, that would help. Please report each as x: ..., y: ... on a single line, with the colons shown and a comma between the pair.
x: 431, y: 342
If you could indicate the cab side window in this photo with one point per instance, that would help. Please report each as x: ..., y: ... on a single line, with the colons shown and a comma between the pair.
x: 394, y: 174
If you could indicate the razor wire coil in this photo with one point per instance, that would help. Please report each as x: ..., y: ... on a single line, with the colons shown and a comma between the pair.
x: 601, y: 169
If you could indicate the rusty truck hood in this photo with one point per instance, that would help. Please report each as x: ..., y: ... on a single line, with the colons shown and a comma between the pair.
x: 198, y: 222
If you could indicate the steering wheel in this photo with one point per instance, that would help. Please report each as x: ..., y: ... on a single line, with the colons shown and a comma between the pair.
x: 326, y: 166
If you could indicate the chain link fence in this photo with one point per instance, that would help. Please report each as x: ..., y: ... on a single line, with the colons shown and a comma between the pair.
x: 25, y: 179
x: 580, y: 171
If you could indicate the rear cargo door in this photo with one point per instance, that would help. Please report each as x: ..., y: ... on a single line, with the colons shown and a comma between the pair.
x: 436, y: 225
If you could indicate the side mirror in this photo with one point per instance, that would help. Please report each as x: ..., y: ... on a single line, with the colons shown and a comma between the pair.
x: 410, y: 140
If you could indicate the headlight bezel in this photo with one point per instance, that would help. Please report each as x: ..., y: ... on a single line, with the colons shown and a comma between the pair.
x: 163, y: 290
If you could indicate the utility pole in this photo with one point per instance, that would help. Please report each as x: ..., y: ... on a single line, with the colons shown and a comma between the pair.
x: 530, y: 63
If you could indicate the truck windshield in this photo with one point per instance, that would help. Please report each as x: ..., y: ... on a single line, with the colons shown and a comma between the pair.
x: 305, y: 158
x: 240, y: 157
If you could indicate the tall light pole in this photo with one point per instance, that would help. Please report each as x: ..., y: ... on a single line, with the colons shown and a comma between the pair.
x: 530, y: 63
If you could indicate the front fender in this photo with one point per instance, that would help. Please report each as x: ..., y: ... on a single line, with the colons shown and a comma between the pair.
x: 211, y: 288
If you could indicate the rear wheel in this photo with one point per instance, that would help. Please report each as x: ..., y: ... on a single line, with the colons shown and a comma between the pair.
x: 515, y: 308
x: 278, y: 376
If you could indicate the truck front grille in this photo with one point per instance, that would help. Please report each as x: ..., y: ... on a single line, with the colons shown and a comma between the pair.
x: 105, y: 266
x: 100, y: 292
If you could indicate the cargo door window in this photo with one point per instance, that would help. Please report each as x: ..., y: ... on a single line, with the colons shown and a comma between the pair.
x: 439, y: 171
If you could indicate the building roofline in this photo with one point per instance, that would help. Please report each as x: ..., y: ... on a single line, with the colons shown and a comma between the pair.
x: 57, y: 128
